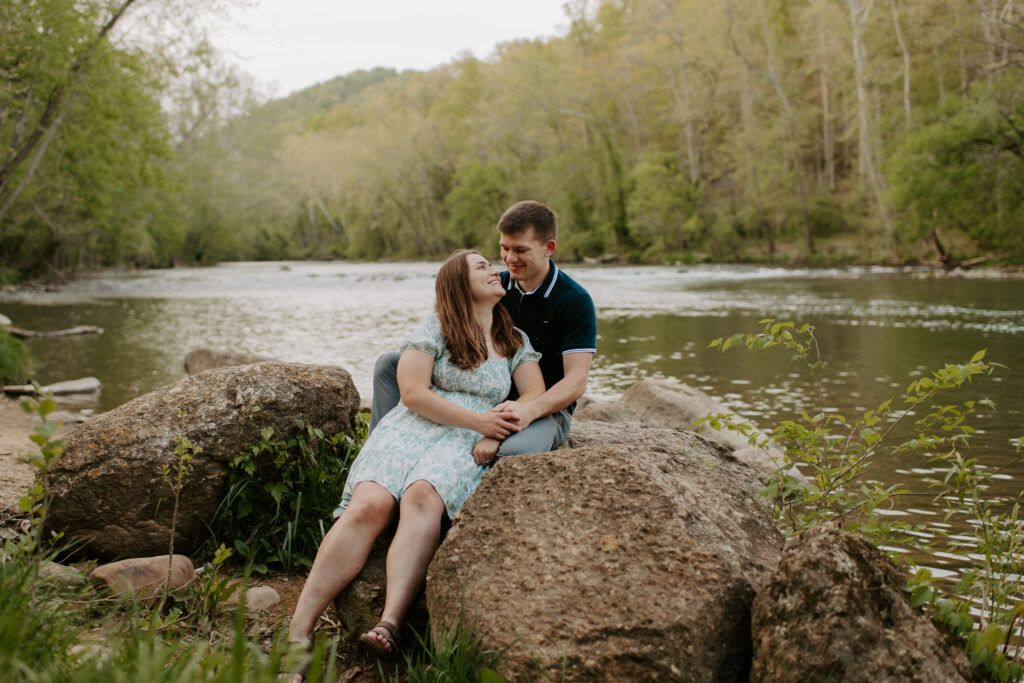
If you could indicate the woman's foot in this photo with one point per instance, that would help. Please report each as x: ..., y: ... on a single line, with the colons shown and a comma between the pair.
x: 381, y: 640
x: 295, y: 664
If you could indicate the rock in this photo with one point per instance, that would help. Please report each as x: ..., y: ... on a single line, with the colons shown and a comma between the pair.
x: 257, y: 598
x: 5, y: 321
x: 673, y: 405
x: 67, y: 417
x: 143, y: 575
x: 616, y: 562
x: 835, y: 610
x: 107, y: 489
x: 84, y: 385
x: 62, y: 575
x: 201, y: 360
x: 359, y: 606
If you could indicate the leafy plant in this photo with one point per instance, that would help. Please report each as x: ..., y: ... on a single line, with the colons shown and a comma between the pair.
x: 175, y: 475
x: 281, y: 494
x: 824, y: 479
x: 838, y: 453
x: 15, y: 361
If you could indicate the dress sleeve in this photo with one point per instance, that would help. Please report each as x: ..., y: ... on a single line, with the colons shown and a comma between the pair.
x: 525, y: 353
x: 426, y: 337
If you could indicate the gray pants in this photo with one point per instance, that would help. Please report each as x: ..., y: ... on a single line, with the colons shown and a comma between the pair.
x: 540, y: 436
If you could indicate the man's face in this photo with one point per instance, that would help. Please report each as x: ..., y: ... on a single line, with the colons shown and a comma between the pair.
x: 526, y: 257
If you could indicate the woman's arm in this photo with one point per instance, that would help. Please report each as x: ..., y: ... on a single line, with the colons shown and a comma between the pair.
x: 415, y: 369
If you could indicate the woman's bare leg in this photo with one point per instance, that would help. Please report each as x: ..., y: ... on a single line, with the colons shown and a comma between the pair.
x: 342, y: 554
x: 416, y: 539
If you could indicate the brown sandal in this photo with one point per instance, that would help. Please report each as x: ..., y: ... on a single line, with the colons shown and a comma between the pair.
x: 388, y: 632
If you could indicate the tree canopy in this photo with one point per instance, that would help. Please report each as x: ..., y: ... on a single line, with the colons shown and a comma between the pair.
x: 659, y: 130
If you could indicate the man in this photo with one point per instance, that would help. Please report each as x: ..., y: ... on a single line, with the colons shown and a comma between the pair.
x: 558, y: 316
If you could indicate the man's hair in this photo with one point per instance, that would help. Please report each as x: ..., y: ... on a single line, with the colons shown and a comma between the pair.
x: 522, y: 216
x: 454, y: 306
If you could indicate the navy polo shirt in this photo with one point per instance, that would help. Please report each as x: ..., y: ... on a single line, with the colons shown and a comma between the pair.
x: 558, y: 317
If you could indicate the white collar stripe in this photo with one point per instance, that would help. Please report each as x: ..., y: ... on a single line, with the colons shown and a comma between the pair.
x: 553, y: 280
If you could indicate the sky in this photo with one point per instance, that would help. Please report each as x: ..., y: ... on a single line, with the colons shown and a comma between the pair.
x: 288, y: 45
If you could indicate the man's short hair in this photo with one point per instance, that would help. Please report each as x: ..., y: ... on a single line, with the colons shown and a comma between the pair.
x: 522, y: 216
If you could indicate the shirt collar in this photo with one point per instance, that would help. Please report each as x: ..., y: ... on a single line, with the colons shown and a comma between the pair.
x: 547, y: 285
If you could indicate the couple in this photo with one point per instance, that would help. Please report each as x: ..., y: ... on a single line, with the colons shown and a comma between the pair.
x: 426, y: 455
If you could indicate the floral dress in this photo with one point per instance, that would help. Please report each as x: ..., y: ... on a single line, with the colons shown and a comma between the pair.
x: 405, y: 447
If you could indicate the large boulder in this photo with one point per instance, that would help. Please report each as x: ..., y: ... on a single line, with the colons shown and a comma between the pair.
x: 835, y: 610
x: 108, y: 492
x: 673, y: 405
x: 201, y: 360
x: 612, y: 562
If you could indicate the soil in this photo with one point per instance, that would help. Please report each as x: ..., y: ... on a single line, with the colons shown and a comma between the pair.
x: 15, y: 475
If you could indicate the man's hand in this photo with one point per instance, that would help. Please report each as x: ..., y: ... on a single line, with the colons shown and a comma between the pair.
x: 498, y: 424
x: 485, y: 450
x: 521, y: 412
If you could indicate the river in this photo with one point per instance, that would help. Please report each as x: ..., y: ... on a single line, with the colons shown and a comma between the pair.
x: 878, y: 328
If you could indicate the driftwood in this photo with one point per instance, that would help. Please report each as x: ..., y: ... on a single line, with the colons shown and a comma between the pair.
x: 32, y: 334
x: 85, y: 385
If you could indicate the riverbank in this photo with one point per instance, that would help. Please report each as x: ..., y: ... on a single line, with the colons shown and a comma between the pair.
x: 15, y: 428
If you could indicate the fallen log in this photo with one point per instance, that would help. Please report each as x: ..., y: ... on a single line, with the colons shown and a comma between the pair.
x: 32, y: 334
x: 84, y: 385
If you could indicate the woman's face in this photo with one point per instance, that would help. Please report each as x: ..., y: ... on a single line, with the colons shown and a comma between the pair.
x: 484, y: 282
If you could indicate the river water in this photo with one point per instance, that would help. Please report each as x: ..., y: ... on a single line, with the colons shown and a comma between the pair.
x: 878, y: 328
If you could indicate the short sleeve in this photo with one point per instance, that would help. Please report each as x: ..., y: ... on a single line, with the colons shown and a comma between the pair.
x: 525, y: 353
x: 426, y: 337
x: 579, y: 324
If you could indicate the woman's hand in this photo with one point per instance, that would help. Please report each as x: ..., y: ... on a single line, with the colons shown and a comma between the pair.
x: 485, y: 450
x: 497, y: 424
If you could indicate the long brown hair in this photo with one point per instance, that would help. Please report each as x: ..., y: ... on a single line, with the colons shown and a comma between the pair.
x: 463, y: 336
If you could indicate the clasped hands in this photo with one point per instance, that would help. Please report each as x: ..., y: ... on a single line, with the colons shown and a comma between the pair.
x: 496, y: 425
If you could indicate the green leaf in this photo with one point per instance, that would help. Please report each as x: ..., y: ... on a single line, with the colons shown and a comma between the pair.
x: 47, y: 406
x: 978, y: 356
x: 488, y: 675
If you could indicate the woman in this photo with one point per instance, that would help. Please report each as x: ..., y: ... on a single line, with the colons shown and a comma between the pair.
x: 427, y: 455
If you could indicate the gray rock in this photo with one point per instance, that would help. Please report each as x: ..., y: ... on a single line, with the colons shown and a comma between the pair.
x: 107, y: 489
x: 5, y: 321
x: 62, y: 575
x: 673, y: 405
x: 835, y: 610
x: 201, y: 360
x: 616, y: 562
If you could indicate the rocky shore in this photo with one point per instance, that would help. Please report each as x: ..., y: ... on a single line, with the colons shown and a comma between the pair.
x: 639, y: 550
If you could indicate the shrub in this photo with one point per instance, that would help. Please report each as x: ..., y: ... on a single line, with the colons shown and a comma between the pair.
x: 15, y: 362
x: 281, y: 494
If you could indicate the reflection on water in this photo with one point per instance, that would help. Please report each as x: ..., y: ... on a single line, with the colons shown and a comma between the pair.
x: 878, y: 329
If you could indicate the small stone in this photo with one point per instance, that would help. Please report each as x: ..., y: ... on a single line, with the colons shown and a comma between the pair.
x: 62, y: 575
x: 257, y: 598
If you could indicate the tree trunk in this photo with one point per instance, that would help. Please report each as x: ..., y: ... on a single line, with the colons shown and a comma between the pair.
x: 50, y: 116
x: 906, y: 61
x: 827, y: 131
x: 859, y: 10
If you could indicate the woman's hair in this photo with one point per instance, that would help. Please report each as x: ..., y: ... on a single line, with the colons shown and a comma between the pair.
x: 463, y: 336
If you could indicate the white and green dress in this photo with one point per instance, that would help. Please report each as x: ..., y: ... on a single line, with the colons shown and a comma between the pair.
x: 405, y: 447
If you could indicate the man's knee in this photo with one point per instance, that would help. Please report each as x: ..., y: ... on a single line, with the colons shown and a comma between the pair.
x: 386, y: 365
x: 538, y: 437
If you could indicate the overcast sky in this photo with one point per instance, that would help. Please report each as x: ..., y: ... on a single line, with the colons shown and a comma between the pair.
x: 288, y: 45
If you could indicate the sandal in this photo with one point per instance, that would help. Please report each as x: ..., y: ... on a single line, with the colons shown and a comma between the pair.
x: 387, y: 632
x: 295, y: 663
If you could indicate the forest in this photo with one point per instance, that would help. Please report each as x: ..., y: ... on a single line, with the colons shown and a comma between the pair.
x: 811, y: 131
